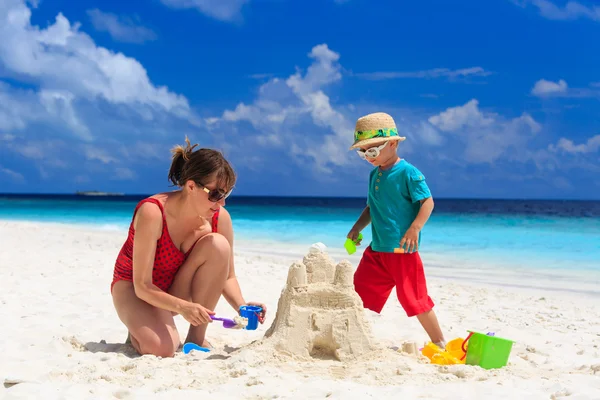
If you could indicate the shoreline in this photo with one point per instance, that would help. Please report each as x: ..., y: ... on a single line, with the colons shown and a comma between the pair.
x: 437, y: 266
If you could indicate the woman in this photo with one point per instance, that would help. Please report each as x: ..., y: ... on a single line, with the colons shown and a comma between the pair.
x: 178, y: 256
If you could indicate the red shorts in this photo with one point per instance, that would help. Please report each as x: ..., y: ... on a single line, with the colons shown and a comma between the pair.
x: 378, y: 273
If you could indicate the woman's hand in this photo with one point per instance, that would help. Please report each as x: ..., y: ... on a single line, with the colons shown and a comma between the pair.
x: 263, y: 313
x: 195, y: 314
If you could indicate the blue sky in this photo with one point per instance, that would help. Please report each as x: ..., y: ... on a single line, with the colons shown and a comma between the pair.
x: 496, y: 99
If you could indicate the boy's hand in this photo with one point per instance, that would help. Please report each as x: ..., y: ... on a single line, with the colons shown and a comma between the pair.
x: 353, y: 235
x: 411, y: 240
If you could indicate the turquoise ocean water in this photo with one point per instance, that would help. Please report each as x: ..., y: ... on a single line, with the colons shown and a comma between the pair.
x: 547, y: 235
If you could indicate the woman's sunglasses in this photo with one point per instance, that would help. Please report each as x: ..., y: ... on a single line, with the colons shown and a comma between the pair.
x: 372, y: 152
x: 216, y: 195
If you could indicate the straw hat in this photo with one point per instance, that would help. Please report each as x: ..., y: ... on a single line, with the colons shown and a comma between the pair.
x: 375, y: 128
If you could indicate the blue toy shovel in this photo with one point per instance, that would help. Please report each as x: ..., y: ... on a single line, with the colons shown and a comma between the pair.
x: 187, y: 347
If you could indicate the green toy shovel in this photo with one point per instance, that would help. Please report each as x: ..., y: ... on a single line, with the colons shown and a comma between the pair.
x: 350, y: 244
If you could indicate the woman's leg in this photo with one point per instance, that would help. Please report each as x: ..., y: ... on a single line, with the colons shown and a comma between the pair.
x: 151, y: 329
x: 202, y: 277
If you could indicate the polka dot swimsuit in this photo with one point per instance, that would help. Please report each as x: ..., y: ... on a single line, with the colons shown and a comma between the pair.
x: 168, y: 257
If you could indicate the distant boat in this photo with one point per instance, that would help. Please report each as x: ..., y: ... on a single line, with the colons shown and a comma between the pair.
x: 97, y: 193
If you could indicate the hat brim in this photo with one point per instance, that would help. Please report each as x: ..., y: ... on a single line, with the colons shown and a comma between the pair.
x: 377, y: 140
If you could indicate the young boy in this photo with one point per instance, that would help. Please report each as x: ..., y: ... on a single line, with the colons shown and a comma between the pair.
x: 398, y: 206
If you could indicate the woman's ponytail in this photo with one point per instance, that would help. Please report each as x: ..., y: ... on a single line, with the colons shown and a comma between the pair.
x: 180, y: 156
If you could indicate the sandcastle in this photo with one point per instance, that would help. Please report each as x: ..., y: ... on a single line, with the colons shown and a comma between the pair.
x: 319, y: 315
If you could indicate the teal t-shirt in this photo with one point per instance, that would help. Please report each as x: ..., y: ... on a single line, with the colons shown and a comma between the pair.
x: 393, y: 201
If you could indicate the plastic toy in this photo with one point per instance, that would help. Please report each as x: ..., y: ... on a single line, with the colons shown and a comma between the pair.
x: 251, y: 313
x: 187, y: 347
x: 350, y: 244
x: 229, y: 323
x: 452, y: 354
x: 486, y: 351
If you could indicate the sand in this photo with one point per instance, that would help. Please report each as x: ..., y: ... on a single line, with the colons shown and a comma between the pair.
x: 62, y: 339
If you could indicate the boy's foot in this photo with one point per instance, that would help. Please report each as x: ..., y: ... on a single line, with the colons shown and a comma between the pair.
x: 441, y: 345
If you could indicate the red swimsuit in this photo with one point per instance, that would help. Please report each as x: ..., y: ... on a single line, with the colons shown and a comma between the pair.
x: 167, y: 260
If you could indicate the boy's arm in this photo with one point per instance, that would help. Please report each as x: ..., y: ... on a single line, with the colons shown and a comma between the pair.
x: 363, y: 220
x: 424, y: 214
x: 411, y: 237
x: 418, y: 192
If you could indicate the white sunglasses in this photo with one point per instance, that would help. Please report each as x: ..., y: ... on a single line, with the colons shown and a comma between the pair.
x: 372, y: 152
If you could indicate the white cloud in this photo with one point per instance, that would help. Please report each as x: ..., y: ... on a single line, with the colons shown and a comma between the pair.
x: 284, y: 108
x: 572, y: 10
x: 427, y: 74
x: 297, y: 117
x: 456, y: 118
x: 61, y: 57
x: 13, y: 175
x: 545, y: 88
x: 79, y: 105
x: 32, y: 152
x: 144, y: 150
x: 592, y: 145
x: 124, y: 174
x: 60, y: 104
x: 121, y: 28
x: 224, y: 10
x: 93, y: 153
x: 485, y: 137
x: 48, y: 153
x: 15, y: 110
x: 429, y: 134
x: 106, y: 106
x: 52, y: 109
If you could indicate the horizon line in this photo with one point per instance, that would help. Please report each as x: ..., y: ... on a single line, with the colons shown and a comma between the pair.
x: 117, y: 195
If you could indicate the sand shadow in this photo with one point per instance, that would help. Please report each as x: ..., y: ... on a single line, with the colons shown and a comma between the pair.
x: 128, y: 350
x: 103, y: 347
x: 229, y: 349
x: 217, y: 357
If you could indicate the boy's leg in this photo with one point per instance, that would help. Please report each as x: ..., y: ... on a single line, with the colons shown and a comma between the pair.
x: 411, y: 288
x: 429, y: 321
x: 372, y: 281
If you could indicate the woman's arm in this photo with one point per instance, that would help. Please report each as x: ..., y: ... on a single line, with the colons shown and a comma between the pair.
x: 148, y: 228
x: 232, y: 291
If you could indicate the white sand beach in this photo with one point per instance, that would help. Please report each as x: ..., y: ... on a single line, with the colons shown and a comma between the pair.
x: 61, y: 338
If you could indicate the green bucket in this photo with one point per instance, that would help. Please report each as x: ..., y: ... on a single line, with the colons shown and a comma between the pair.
x: 487, y: 351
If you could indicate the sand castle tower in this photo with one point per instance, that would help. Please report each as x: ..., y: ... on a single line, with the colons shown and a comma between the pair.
x: 319, y: 314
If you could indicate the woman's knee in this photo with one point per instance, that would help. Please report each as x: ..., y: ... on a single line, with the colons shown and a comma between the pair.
x: 218, y: 246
